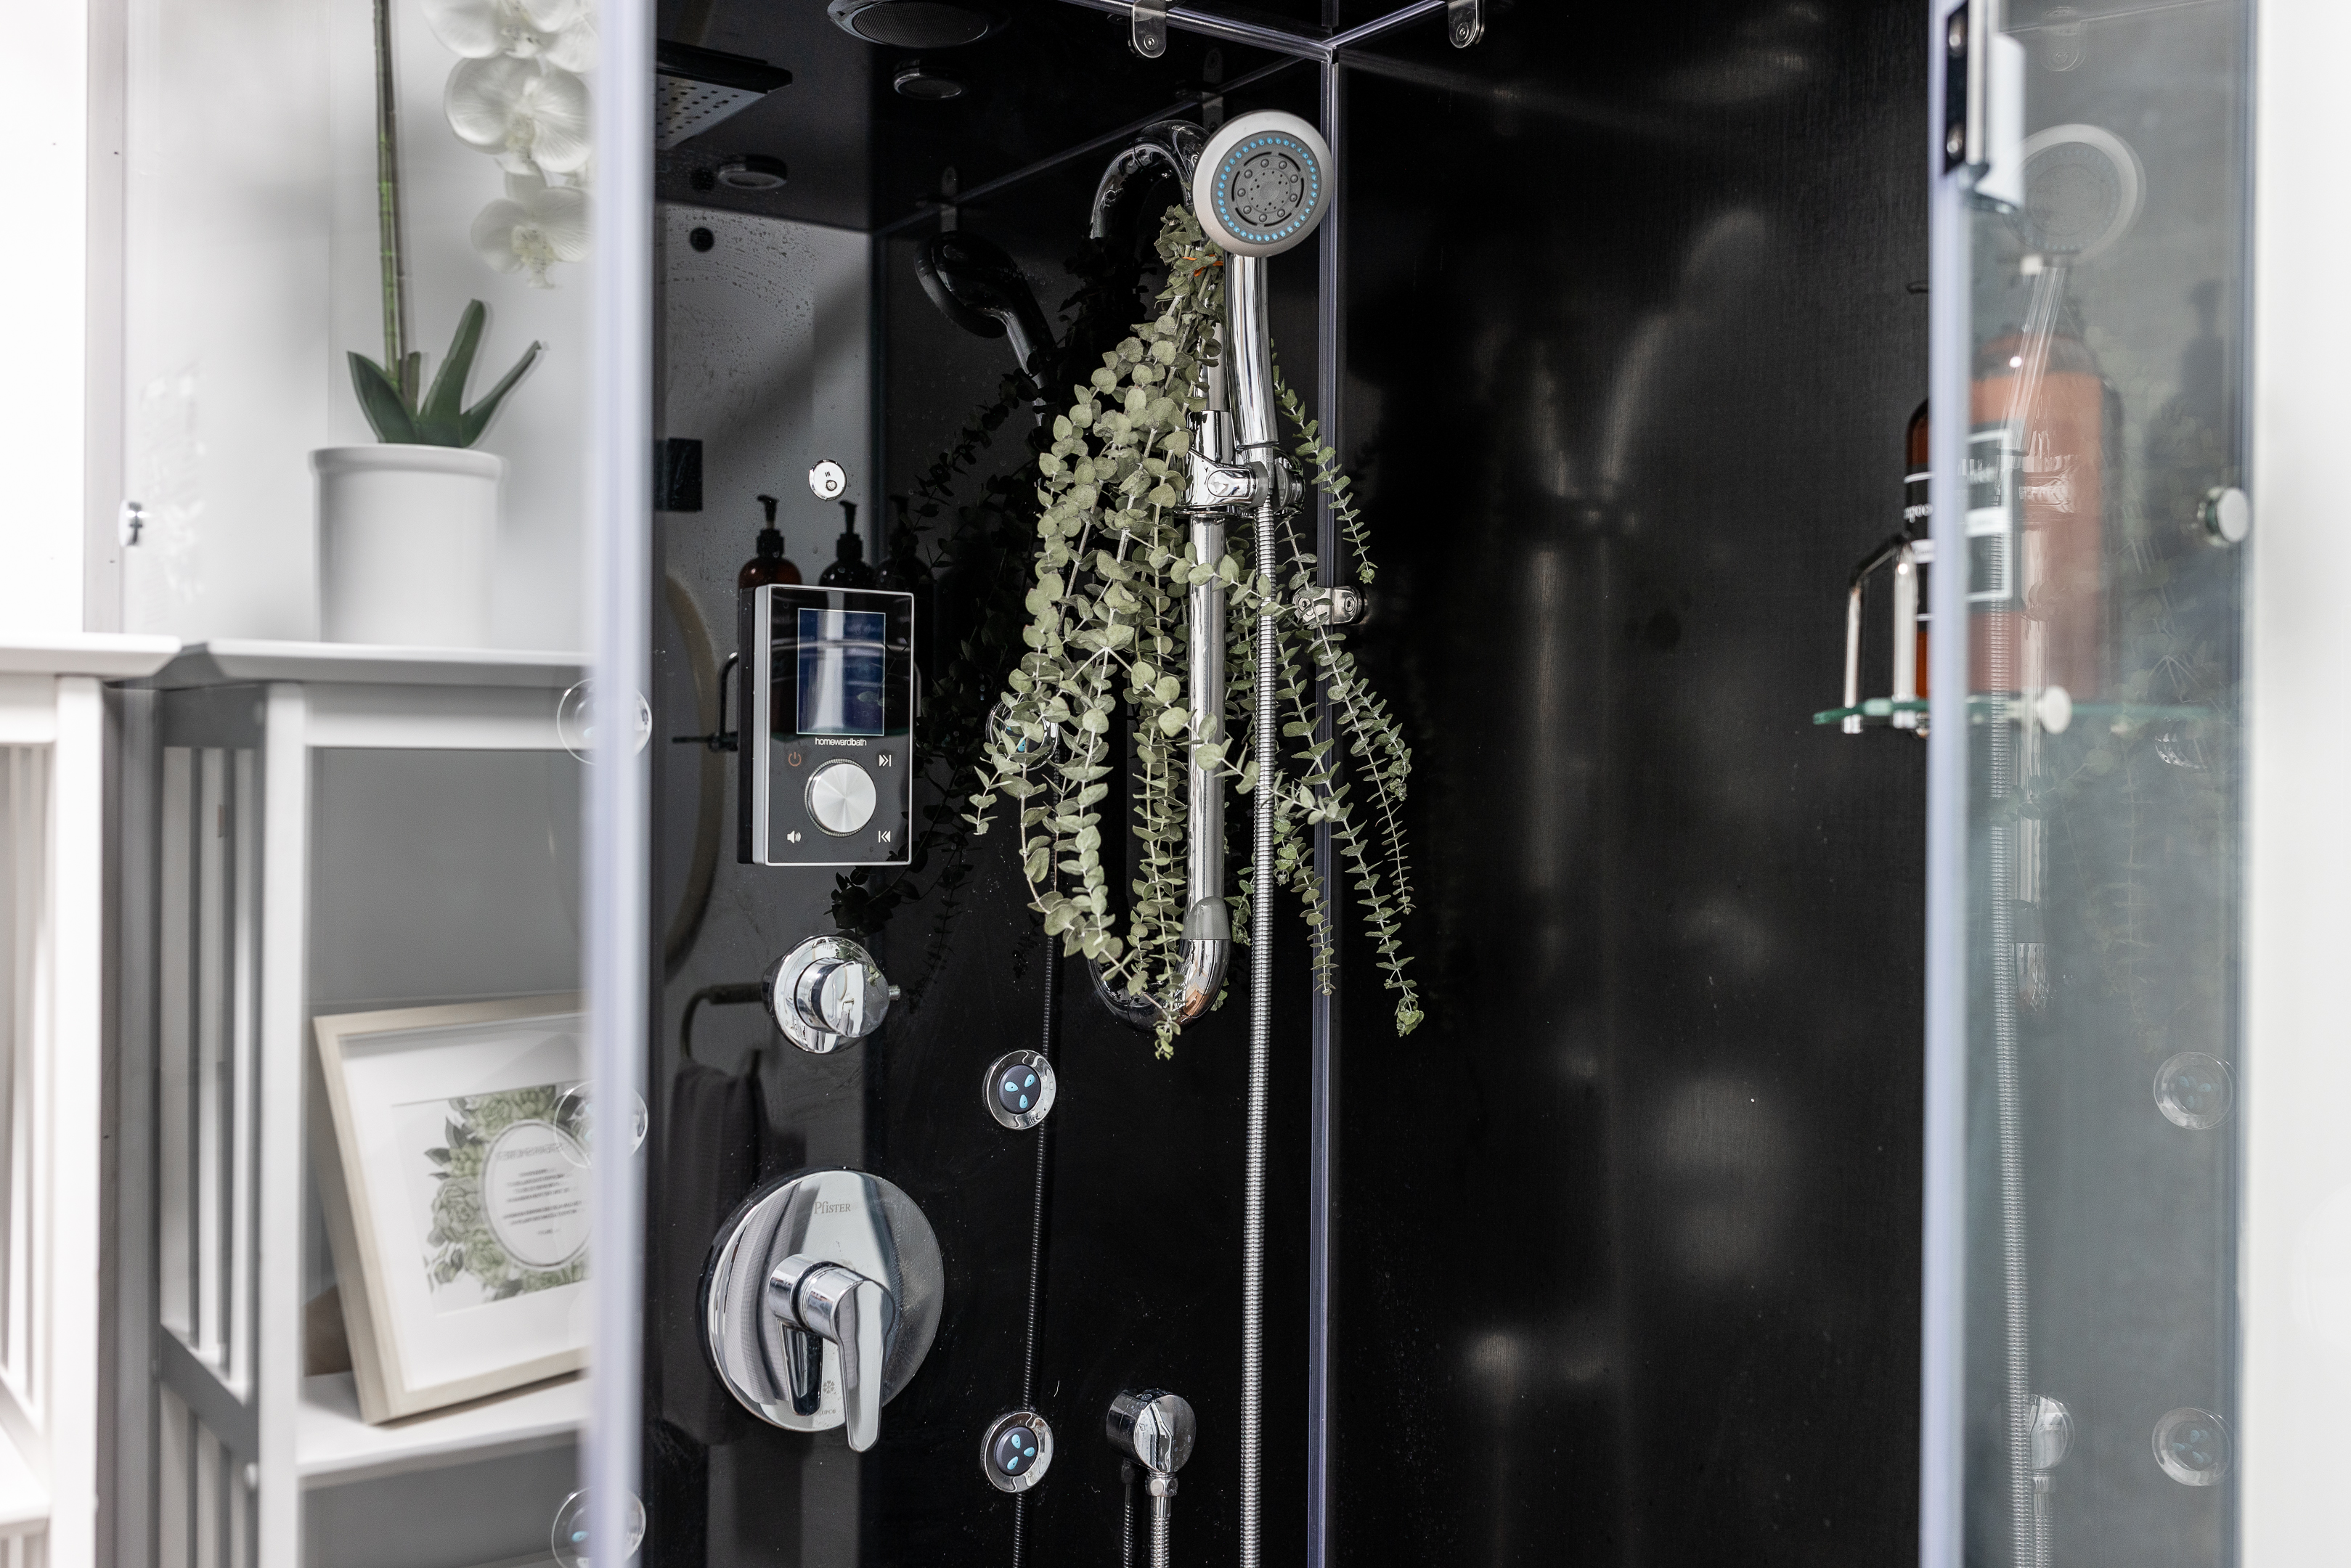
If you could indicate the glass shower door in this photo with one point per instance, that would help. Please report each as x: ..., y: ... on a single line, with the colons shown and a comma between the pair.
x: 2102, y: 535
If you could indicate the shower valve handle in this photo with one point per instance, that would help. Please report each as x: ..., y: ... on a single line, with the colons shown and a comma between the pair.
x: 820, y: 1300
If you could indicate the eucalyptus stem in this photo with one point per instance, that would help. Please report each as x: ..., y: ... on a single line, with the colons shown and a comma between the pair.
x: 1113, y: 476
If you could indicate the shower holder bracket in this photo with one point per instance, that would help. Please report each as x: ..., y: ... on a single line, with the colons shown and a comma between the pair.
x: 1147, y: 27
x: 1464, y: 22
x: 1338, y: 605
x: 1216, y: 484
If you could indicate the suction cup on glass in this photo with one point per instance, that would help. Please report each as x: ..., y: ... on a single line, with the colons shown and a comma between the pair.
x: 2194, y: 1090
x: 568, y: 1538
x: 573, y: 1119
x: 999, y: 720
x: 2083, y: 188
x: 575, y: 721
x: 2194, y: 1446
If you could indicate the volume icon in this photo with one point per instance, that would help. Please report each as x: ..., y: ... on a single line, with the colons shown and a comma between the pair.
x: 793, y: 837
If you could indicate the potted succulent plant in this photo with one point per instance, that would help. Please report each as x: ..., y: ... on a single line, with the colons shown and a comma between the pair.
x: 408, y: 527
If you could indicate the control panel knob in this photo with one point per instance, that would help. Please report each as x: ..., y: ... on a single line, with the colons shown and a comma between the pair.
x: 1016, y: 1451
x: 826, y: 992
x: 842, y: 797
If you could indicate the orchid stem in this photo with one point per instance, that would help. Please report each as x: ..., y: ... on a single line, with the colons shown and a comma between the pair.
x: 396, y: 363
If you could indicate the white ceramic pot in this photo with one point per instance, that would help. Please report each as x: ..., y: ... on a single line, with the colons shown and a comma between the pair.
x: 406, y: 540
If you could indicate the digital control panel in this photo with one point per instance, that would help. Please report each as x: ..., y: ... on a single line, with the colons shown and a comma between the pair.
x: 828, y: 751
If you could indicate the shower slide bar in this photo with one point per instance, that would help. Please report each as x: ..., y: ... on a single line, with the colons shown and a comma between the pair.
x: 1301, y: 42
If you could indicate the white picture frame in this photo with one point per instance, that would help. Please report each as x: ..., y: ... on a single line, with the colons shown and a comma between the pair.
x: 455, y: 1201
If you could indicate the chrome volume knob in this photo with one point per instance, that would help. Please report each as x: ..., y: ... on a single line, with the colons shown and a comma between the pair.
x: 840, y: 796
x: 827, y: 992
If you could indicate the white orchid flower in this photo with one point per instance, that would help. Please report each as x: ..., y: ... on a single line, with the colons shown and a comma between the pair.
x: 560, y: 32
x: 537, y: 225
x: 570, y: 26
x: 530, y: 115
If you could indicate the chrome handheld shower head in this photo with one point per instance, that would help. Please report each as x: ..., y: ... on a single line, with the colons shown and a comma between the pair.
x: 1263, y: 183
x: 980, y: 290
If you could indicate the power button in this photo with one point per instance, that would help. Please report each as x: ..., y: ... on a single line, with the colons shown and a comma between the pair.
x: 840, y: 796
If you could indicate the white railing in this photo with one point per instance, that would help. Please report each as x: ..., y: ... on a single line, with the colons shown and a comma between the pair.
x: 55, y: 759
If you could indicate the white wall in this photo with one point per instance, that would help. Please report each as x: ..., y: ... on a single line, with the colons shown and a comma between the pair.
x: 2298, y: 1236
x: 44, y: 152
x: 252, y: 270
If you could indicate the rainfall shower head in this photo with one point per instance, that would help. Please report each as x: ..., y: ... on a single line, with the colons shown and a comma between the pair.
x: 980, y: 290
x: 698, y: 87
x: 1263, y: 183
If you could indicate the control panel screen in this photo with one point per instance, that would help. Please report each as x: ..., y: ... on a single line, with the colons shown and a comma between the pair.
x: 829, y: 701
x: 843, y: 667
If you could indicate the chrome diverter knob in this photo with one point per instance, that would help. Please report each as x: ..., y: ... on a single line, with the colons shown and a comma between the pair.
x: 821, y: 1299
x: 826, y: 992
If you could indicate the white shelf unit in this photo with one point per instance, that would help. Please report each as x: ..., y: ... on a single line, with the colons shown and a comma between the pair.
x: 56, y: 763
x: 245, y: 733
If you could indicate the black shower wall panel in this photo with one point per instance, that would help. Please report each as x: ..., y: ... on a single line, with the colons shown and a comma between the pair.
x: 1143, y: 1276
x: 1627, y: 1251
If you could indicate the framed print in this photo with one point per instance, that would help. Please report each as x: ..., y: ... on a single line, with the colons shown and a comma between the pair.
x: 455, y: 1190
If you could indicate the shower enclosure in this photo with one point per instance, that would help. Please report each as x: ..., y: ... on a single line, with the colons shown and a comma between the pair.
x: 1638, y: 1205
x: 2086, y: 1046
x: 1827, y: 1137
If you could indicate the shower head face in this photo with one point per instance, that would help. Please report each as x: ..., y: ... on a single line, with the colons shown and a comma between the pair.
x: 2083, y: 188
x: 1263, y: 183
x: 914, y: 24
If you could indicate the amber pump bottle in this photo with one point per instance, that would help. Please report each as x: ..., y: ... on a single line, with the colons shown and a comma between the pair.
x: 767, y: 568
x: 769, y: 565
x: 2054, y: 632
x: 850, y: 569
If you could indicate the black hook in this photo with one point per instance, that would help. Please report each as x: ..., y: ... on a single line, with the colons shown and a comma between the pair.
x: 722, y: 739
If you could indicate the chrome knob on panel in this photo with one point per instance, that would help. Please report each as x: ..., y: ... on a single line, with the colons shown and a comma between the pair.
x: 826, y: 992
x: 820, y: 1301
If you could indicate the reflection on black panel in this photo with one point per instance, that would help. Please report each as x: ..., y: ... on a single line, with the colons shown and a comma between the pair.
x: 842, y: 660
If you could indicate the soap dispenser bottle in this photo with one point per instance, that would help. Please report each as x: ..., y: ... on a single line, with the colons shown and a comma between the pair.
x: 849, y: 567
x: 769, y: 565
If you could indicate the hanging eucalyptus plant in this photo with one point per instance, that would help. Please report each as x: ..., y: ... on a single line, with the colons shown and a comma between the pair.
x: 1106, y: 628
